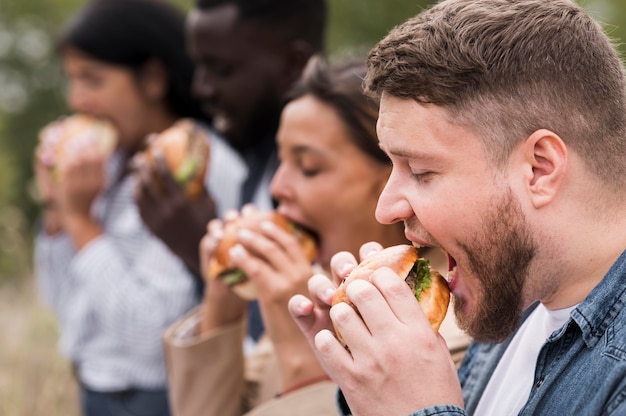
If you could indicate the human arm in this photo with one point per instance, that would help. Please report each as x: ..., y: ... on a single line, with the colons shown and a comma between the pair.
x: 392, y: 347
x: 47, y: 193
x: 177, y: 220
x: 275, y: 263
x: 82, y: 179
x: 66, y: 194
x: 220, y: 305
x: 126, y: 284
x: 198, y: 381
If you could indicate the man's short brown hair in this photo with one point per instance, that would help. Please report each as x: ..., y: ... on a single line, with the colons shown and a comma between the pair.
x: 508, y: 68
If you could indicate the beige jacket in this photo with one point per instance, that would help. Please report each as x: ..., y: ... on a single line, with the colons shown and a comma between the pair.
x: 210, y: 376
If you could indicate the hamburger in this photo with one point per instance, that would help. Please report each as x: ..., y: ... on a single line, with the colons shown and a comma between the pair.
x: 220, y: 264
x: 428, y: 285
x: 62, y: 138
x: 185, y: 149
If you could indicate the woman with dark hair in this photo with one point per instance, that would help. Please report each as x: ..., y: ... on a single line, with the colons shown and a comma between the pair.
x: 113, y: 285
x: 330, y: 175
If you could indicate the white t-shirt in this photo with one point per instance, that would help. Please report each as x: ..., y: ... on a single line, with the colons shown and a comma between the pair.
x: 509, y: 387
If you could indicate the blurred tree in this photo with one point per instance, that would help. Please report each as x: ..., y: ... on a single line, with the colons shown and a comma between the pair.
x: 356, y: 25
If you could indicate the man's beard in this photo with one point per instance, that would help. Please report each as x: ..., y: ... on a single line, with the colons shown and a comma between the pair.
x: 499, y: 257
x: 260, y: 124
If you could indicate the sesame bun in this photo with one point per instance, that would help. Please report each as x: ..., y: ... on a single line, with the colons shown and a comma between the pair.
x: 185, y: 149
x: 62, y: 138
x: 403, y: 259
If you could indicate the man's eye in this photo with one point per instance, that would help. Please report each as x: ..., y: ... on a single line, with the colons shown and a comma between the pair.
x: 215, y: 69
x: 310, y: 172
x: 422, y: 176
x: 224, y: 72
x: 220, y: 70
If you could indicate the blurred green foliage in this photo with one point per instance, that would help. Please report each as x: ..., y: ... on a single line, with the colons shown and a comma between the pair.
x: 31, y: 85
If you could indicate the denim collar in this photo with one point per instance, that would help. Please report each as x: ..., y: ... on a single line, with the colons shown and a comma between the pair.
x: 599, y: 310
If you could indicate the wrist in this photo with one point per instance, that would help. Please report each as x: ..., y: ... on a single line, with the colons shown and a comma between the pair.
x: 51, y: 220
x: 304, y: 383
x: 82, y: 229
x: 214, y: 313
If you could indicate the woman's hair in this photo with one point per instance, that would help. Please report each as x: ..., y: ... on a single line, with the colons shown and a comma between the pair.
x: 131, y: 33
x: 340, y: 87
x: 506, y: 69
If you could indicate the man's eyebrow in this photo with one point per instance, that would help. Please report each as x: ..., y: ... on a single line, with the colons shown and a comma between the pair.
x: 405, y: 153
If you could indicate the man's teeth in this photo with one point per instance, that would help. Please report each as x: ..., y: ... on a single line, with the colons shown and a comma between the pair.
x: 221, y: 122
x: 450, y: 275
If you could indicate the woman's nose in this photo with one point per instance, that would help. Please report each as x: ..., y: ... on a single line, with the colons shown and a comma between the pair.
x: 279, y: 187
x: 78, y: 99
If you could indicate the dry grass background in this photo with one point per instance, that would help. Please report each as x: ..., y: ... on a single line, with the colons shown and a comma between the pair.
x: 34, y: 379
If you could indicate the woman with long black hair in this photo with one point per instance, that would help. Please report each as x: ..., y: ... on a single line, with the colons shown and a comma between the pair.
x: 114, y: 286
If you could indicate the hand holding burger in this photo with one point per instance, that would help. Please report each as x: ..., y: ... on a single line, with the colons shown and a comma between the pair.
x: 69, y: 167
x: 185, y: 149
x: 220, y: 265
x: 429, y: 287
x: 64, y: 138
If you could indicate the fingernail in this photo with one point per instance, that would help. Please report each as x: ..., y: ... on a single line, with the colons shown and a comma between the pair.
x: 237, y: 251
x: 302, y: 306
x: 244, y: 234
x: 217, y: 234
x: 369, y: 253
x: 329, y: 293
x: 346, y: 267
x: 267, y: 226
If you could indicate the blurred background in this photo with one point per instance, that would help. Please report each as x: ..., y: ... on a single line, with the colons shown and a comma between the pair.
x: 34, y: 379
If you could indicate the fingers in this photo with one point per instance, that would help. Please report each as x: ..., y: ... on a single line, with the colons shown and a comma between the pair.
x: 208, y: 245
x: 314, y: 323
x: 368, y: 249
x: 387, y: 310
x: 169, y: 184
x: 84, y: 171
x: 322, y: 290
x: 400, y: 298
x: 150, y: 138
x: 248, y: 210
x: 146, y: 191
x: 277, y: 248
x: 376, y: 316
x: 311, y: 315
x: 341, y: 264
x: 156, y: 181
x: 333, y: 357
x: 230, y: 215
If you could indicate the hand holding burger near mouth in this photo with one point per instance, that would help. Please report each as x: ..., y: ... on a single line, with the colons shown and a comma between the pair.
x: 221, y: 265
x: 428, y: 286
x: 62, y: 139
x: 184, y: 149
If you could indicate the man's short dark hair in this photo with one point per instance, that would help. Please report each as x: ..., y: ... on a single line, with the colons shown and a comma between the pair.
x: 292, y: 19
x: 509, y: 68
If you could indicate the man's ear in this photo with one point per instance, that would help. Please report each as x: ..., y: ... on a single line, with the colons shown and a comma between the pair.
x: 545, y: 154
x: 153, y: 80
x: 297, y: 55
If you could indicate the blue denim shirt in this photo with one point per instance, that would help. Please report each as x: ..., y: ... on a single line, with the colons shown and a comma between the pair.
x: 581, y: 369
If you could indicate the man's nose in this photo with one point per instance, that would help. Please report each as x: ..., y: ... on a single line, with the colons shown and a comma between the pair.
x: 203, y: 86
